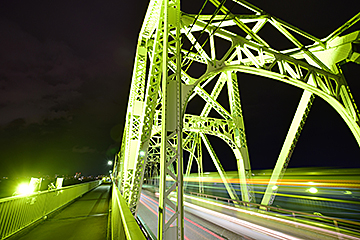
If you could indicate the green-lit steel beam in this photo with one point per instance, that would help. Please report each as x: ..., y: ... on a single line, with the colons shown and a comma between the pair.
x: 145, y: 109
x: 171, y: 131
x: 195, y: 151
x: 241, y: 153
x: 289, y: 145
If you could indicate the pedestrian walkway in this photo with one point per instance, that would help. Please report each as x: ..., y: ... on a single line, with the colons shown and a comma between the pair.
x: 86, y: 218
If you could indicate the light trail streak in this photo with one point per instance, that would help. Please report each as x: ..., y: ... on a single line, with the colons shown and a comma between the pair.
x: 325, y: 231
x: 343, y: 183
x: 243, y: 223
x: 186, y: 219
x: 204, y: 229
x: 148, y: 207
x: 313, y: 198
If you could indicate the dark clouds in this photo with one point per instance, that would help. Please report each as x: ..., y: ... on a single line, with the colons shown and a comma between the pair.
x: 65, y: 70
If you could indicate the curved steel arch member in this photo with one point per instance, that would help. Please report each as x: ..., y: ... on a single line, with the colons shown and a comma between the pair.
x: 166, y: 76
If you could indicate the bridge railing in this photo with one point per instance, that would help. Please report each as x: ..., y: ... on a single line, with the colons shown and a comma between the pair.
x: 19, y: 212
x: 123, y: 223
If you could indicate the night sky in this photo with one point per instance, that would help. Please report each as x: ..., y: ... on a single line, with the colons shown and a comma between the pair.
x: 65, y: 70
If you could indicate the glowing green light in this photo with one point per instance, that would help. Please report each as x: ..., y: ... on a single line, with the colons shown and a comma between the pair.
x: 313, y: 190
x: 110, y: 162
x: 274, y: 187
x: 25, y: 189
x: 142, y: 153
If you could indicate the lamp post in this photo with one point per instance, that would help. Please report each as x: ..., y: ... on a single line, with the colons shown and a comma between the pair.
x: 110, y: 163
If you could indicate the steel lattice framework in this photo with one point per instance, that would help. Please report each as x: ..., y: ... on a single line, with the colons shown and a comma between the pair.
x: 157, y: 128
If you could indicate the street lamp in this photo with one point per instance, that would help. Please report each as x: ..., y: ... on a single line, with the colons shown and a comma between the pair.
x: 25, y: 189
x: 110, y: 162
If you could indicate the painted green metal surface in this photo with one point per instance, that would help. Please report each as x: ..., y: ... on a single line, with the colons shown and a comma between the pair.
x: 123, y: 223
x: 169, y: 52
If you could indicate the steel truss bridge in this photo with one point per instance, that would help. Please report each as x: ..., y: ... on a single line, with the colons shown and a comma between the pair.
x: 177, y: 56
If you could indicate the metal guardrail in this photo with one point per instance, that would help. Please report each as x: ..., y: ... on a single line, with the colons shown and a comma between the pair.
x: 123, y: 223
x: 19, y: 212
x: 295, y: 215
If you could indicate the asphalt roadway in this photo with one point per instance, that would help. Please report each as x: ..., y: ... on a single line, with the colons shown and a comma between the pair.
x: 86, y: 218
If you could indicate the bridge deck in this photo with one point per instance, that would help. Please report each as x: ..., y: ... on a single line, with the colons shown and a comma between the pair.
x: 86, y: 218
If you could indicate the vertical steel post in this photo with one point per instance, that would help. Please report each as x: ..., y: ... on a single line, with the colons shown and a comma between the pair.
x: 172, y: 125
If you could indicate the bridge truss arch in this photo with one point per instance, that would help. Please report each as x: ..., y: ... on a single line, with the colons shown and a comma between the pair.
x: 178, y: 56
